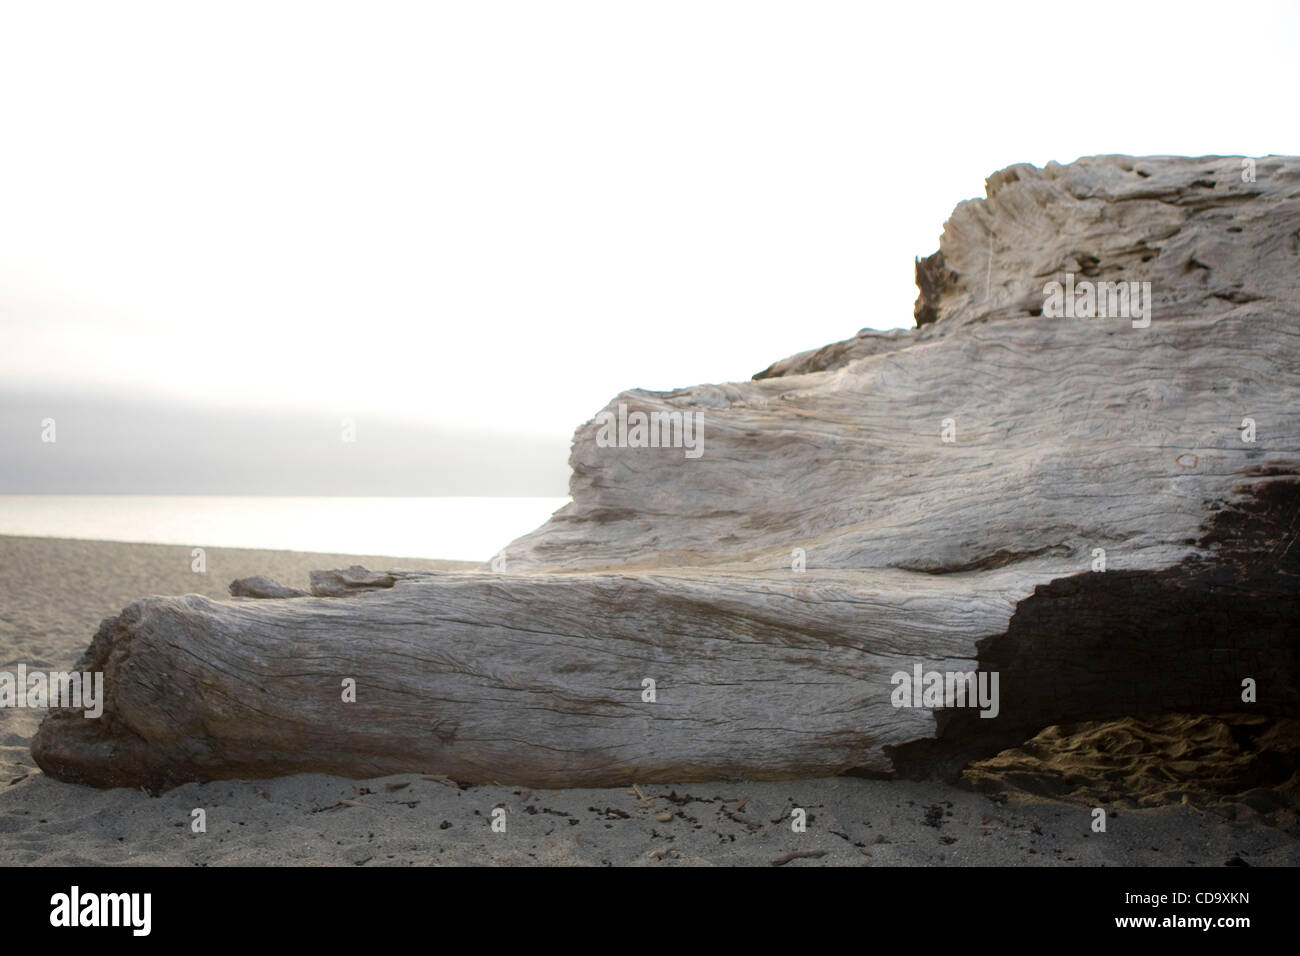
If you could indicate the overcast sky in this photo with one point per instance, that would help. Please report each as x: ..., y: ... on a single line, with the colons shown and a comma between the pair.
x: 489, y: 218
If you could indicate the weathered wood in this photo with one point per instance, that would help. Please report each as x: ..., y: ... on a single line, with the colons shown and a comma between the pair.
x: 531, y: 679
x: 262, y: 587
x: 1071, y: 435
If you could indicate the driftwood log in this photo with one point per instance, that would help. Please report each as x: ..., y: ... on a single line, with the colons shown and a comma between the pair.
x: 1103, y: 513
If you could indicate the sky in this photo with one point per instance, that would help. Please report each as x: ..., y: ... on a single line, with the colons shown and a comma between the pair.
x: 481, y: 222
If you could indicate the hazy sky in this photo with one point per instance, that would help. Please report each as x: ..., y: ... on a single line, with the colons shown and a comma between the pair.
x: 496, y: 216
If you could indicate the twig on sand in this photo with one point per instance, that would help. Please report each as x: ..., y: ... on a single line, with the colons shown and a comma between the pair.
x: 343, y: 803
x: 798, y: 855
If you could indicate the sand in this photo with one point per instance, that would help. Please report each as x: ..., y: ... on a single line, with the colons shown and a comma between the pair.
x: 53, y: 593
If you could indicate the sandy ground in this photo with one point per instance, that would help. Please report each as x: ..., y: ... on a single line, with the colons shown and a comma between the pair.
x: 53, y: 594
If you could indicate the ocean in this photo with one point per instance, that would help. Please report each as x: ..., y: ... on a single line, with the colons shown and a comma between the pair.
x: 454, y: 529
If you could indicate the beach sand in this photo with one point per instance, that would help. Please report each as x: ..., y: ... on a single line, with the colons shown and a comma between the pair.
x: 53, y: 594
